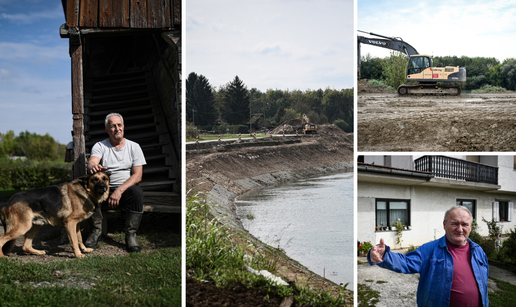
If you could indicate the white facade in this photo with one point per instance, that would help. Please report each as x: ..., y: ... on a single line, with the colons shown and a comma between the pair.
x: 428, y: 197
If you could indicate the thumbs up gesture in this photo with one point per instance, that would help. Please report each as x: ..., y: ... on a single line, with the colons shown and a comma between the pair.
x: 377, y: 252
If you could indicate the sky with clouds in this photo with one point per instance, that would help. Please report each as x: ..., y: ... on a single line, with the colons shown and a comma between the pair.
x: 35, y: 90
x: 271, y: 44
x: 473, y: 28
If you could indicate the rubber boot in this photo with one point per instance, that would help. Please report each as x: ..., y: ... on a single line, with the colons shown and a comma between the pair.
x: 96, y: 233
x: 132, y: 223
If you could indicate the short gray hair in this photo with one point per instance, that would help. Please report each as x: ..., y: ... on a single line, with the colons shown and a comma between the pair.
x: 110, y: 115
x: 457, y: 207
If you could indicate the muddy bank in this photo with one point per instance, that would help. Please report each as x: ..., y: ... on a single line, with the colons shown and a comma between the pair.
x: 469, y: 122
x: 223, y: 174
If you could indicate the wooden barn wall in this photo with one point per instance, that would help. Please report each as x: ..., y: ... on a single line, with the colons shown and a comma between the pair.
x: 134, y: 14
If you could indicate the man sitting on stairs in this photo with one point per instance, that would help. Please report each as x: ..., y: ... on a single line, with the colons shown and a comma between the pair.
x: 125, y: 160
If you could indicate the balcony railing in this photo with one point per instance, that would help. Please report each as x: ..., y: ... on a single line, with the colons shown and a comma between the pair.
x: 451, y: 168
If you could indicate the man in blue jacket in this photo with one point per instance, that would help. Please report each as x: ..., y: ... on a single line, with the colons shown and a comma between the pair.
x: 453, y: 269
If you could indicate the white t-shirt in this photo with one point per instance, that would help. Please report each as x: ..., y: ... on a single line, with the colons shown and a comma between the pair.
x: 118, y: 161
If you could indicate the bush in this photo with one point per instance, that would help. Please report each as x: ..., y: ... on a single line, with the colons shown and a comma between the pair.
x: 19, y: 176
x: 490, y: 89
x: 488, y: 247
x: 364, y: 247
x: 509, y: 246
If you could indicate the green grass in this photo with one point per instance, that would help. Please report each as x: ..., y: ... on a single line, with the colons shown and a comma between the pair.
x: 366, y: 296
x: 150, y: 279
x: 506, y: 296
x: 212, y: 255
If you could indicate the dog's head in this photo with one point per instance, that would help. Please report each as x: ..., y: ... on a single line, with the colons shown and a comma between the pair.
x: 97, y: 183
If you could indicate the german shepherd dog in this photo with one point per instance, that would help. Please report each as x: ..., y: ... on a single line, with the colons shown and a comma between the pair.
x: 67, y: 205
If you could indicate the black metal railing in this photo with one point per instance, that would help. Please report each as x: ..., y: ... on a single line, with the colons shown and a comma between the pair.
x: 451, y: 168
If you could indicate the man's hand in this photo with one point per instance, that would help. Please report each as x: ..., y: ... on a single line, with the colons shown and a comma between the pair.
x: 377, y: 252
x: 114, y: 199
x: 97, y: 169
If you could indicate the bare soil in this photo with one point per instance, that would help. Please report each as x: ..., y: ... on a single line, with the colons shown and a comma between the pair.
x: 54, y: 241
x: 237, y: 168
x: 469, y: 122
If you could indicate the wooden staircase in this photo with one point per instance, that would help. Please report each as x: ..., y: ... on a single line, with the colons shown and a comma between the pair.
x: 133, y: 94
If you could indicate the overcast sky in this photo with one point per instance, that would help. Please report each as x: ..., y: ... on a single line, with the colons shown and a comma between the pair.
x: 473, y: 28
x: 271, y: 44
x: 35, y: 92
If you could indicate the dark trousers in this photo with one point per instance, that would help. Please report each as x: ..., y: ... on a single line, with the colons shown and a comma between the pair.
x: 132, y: 199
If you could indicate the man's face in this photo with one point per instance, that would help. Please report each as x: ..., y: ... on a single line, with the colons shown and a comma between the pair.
x: 115, y: 128
x: 458, y: 227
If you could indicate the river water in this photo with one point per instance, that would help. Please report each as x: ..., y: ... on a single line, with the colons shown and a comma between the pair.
x: 310, y: 219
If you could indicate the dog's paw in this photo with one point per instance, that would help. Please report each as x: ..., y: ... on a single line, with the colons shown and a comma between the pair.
x: 79, y: 256
x: 87, y: 250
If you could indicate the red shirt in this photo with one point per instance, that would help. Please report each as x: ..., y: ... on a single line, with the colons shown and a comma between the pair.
x: 464, y: 290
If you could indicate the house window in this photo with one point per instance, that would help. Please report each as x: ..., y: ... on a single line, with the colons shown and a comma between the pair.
x: 470, y: 204
x: 389, y: 211
x: 502, y: 211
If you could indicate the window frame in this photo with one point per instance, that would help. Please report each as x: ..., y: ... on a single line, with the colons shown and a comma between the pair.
x: 474, y: 212
x: 388, y: 201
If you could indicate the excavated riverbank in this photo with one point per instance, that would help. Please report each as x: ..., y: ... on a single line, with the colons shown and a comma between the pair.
x: 225, y: 170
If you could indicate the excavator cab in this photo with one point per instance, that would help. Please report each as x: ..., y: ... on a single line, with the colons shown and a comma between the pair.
x: 418, y: 63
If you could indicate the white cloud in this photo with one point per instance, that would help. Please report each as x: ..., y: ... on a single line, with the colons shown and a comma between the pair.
x: 442, y: 28
x: 271, y: 44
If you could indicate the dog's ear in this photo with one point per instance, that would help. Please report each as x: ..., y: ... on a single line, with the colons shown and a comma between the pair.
x: 84, y: 179
x: 107, y: 173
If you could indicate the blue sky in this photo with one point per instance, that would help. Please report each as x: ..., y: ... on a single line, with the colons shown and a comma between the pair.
x: 271, y: 44
x: 35, y: 93
x: 470, y: 28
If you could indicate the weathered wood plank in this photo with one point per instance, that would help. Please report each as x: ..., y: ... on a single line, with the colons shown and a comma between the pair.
x: 155, y: 13
x: 89, y: 13
x: 114, y: 13
x: 162, y: 209
x: 72, y: 12
x: 138, y: 14
x: 176, y: 13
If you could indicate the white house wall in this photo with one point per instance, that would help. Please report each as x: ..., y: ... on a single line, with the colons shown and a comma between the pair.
x: 506, y: 173
x: 427, y: 207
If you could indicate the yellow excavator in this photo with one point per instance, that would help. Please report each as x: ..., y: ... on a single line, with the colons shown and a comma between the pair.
x: 420, y: 68
x: 306, y: 126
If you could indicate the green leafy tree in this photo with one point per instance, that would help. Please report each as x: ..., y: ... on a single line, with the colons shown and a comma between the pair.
x: 200, y: 101
x: 508, y: 72
x: 394, y: 69
x: 236, y: 103
x: 7, y: 143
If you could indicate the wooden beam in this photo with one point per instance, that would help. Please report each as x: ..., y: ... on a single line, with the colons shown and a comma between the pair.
x: 79, y: 166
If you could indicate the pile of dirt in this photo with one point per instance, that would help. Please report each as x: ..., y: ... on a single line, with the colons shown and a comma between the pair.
x: 365, y: 87
x: 289, y: 127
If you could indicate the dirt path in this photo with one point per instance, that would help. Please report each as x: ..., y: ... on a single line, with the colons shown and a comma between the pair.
x: 469, y: 122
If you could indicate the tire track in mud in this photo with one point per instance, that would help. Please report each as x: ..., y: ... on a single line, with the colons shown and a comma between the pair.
x: 470, y: 122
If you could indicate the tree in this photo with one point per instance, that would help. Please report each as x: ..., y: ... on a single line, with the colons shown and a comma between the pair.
x: 200, y: 101
x: 7, y: 143
x: 508, y: 71
x: 394, y: 69
x: 236, y: 103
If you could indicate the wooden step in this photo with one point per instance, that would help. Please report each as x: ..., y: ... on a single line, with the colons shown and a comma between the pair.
x: 97, y: 132
x: 115, y: 104
x: 116, y: 95
x: 152, y: 170
x: 105, y: 112
x: 126, y: 119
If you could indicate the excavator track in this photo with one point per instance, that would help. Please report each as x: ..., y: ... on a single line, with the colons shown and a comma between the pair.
x: 428, y: 89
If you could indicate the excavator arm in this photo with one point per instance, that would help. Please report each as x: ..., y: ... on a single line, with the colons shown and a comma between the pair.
x: 392, y: 43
